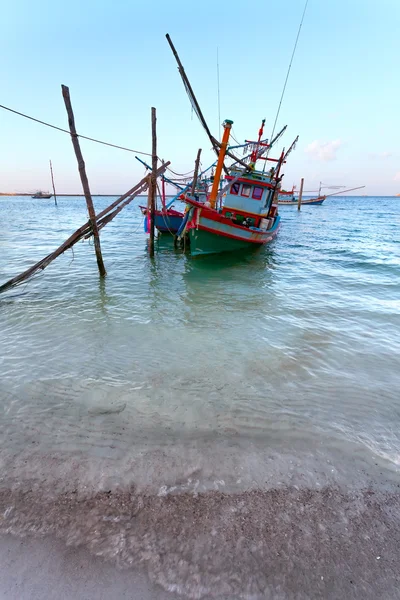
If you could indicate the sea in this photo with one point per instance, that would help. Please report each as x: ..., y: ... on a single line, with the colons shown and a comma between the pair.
x: 228, y: 424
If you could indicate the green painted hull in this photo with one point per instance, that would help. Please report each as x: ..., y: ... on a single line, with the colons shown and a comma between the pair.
x: 204, y: 242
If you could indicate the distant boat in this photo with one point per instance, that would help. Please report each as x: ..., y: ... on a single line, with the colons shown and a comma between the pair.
x: 288, y: 198
x: 284, y: 199
x: 42, y: 195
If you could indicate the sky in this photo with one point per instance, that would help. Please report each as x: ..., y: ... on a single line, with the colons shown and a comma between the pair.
x: 342, y: 97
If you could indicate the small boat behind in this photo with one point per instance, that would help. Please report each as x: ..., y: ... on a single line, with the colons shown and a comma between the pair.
x: 166, y: 220
x: 42, y: 195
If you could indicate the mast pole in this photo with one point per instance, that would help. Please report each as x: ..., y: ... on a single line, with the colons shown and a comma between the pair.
x: 217, y: 177
x: 189, y: 90
x: 253, y: 158
x: 163, y: 192
x: 196, y: 172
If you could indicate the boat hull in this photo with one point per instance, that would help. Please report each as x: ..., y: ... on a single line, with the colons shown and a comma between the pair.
x: 168, y: 221
x: 211, y: 237
x: 311, y: 202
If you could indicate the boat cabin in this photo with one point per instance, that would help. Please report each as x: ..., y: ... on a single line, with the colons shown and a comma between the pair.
x: 249, y: 198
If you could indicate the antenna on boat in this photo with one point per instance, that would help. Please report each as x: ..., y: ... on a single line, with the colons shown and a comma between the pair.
x: 219, y: 97
x: 290, y: 66
x: 288, y: 71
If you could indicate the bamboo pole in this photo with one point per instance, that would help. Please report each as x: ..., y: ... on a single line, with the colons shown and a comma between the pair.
x: 132, y: 191
x: 193, y: 100
x: 153, y: 178
x: 83, y: 232
x: 52, y: 181
x: 84, y: 180
x: 196, y: 172
x: 300, y: 194
x: 163, y: 194
x: 344, y: 191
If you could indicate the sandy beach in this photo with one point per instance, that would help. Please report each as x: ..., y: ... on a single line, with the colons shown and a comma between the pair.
x: 281, y: 544
x: 46, y: 569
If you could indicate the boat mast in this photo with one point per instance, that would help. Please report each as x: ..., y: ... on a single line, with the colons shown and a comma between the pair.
x: 227, y: 124
x: 254, y: 155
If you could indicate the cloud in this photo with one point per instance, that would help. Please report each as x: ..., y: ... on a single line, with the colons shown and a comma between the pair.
x: 380, y: 155
x: 323, y: 150
x: 397, y: 176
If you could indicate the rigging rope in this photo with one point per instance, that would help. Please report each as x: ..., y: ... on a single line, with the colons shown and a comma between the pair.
x: 180, y: 174
x: 219, y: 97
x: 69, y: 133
x: 288, y: 72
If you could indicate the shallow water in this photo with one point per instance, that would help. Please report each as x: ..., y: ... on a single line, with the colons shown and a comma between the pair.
x: 278, y: 370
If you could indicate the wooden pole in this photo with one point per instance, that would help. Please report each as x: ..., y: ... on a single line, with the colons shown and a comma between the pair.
x: 153, y: 178
x: 84, y: 232
x: 84, y: 180
x: 196, y: 172
x: 300, y: 194
x: 52, y: 181
x: 193, y: 100
x: 163, y: 194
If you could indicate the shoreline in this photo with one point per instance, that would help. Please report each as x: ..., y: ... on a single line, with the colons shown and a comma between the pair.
x: 287, y: 544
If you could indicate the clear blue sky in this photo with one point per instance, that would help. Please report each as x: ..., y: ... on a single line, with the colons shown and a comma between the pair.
x: 342, y: 97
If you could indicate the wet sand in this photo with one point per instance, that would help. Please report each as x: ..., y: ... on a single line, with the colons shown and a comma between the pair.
x: 45, y: 569
x: 280, y: 544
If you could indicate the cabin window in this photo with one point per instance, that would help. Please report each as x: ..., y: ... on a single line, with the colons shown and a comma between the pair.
x: 257, y: 193
x: 246, y: 189
x: 235, y: 188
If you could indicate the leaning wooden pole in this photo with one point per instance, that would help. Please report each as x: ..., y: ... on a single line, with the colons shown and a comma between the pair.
x: 84, y: 180
x: 153, y: 178
x: 52, y: 181
x: 84, y: 232
x: 300, y: 194
x: 196, y: 172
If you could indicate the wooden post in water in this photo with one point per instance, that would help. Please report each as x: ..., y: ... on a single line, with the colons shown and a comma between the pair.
x: 300, y: 194
x: 196, y: 172
x: 52, y: 181
x: 153, y: 178
x: 84, y: 180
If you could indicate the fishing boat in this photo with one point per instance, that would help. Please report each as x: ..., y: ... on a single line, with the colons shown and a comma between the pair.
x: 288, y: 199
x: 42, y: 195
x: 167, y: 219
x: 245, y: 214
